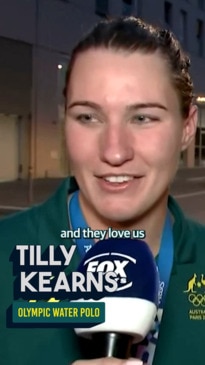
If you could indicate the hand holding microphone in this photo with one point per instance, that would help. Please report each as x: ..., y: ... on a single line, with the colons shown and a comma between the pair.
x: 130, y: 308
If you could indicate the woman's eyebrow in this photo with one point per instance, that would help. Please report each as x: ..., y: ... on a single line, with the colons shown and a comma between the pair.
x: 90, y: 104
x: 136, y: 106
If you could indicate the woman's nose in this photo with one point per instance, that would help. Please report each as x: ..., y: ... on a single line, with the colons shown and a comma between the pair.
x: 116, y: 146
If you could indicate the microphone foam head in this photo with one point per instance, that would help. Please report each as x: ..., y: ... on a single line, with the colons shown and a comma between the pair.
x: 129, y: 286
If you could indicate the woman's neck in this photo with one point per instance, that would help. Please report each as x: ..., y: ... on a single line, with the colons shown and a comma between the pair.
x: 152, y: 222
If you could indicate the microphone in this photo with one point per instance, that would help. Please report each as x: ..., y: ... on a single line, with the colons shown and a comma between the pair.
x: 130, y: 293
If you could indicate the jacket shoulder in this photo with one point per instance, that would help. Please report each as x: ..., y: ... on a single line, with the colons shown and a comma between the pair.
x: 19, y: 225
x: 196, y: 234
x: 196, y: 228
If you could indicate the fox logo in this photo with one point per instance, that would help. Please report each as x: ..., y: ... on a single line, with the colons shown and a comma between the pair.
x: 106, y: 263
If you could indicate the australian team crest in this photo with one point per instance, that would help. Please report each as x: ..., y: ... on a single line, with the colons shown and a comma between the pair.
x: 195, y: 292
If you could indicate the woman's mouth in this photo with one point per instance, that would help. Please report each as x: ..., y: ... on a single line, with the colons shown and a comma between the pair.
x: 118, y: 179
x: 117, y: 183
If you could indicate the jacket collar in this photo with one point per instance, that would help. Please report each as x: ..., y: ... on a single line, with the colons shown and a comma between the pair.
x: 52, y: 218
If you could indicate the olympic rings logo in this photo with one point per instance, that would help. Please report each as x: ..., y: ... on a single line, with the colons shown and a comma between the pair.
x: 197, y: 299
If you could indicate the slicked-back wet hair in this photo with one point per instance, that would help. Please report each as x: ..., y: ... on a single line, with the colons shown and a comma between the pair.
x: 131, y: 34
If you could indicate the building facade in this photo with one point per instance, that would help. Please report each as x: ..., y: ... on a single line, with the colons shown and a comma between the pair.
x: 36, y: 39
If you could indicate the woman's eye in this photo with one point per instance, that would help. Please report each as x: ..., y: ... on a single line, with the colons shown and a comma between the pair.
x: 86, y: 118
x: 141, y: 118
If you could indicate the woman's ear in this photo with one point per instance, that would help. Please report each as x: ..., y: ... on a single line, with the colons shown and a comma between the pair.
x: 189, y: 127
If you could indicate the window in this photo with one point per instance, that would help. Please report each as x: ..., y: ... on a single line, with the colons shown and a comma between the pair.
x: 199, y: 37
x: 101, y: 7
x: 183, y: 27
x: 168, y: 13
x: 127, y: 7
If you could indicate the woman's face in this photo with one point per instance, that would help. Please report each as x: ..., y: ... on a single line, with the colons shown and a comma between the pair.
x: 124, y: 132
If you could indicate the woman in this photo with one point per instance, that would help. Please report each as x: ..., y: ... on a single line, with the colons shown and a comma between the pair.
x: 129, y: 114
